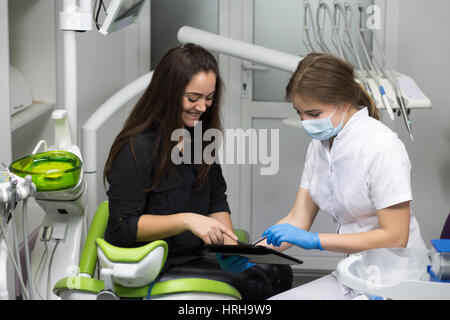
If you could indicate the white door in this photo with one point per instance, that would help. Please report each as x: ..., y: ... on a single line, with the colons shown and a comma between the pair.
x: 258, y: 200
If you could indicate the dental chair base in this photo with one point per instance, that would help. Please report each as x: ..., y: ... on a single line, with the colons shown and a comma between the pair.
x: 131, y: 272
x: 79, y: 288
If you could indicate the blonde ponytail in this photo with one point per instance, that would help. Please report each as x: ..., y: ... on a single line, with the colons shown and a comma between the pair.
x: 366, y: 100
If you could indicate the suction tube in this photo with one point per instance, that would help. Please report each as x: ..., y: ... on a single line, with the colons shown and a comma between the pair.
x: 10, y: 252
x: 27, y: 251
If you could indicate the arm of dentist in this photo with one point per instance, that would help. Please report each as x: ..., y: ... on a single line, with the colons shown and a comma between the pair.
x: 301, y: 216
x: 393, y: 230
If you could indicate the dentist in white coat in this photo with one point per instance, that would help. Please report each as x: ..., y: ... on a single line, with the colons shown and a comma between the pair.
x: 357, y: 170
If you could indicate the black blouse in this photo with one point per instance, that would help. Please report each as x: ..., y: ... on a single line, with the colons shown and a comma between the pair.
x: 127, y: 201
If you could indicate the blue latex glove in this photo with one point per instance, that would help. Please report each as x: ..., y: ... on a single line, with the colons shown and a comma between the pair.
x: 286, y: 232
x: 234, y: 263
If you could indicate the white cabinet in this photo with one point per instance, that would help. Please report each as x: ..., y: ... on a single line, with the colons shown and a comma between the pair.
x: 28, y: 43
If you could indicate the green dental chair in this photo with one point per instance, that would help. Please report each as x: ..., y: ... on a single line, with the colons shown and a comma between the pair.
x: 130, y: 272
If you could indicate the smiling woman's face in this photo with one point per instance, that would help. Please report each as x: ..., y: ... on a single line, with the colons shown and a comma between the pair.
x: 198, y: 96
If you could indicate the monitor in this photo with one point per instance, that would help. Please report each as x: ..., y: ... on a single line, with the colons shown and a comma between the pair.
x: 121, y: 13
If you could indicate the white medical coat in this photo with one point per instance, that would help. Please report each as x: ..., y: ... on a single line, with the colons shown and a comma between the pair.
x: 367, y: 169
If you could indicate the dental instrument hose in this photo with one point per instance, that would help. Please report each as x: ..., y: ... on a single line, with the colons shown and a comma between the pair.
x: 28, y: 184
x: 10, y: 252
x: 12, y: 207
x: 15, y: 240
x: 38, y: 273
x: 49, y: 273
x: 27, y: 252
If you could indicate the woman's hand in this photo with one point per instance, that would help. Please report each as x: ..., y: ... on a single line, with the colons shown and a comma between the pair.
x: 208, y: 229
x: 288, y: 233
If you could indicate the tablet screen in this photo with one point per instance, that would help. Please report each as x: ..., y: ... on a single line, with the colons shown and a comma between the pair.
x: 255, y: 254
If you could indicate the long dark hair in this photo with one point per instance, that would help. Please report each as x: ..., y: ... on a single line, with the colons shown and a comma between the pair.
x: 161, y: 107
x: 328, y: 79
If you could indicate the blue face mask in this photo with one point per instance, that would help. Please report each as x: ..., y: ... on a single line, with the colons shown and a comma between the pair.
x: 322, y: 129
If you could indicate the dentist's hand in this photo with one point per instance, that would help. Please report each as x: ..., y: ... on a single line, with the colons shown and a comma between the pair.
x: 286, y: 232
x: 234, y: 263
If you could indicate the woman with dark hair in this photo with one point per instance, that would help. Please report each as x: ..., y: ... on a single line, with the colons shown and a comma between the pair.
x: 151, y: 197
x: 356, y: 169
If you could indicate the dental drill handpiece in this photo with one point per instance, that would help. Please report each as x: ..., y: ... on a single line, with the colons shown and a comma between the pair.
x: 29, y: 186
x: 13, y: 191
x: 5, y: 195
x: 372, y: 70
x: 9, y: 195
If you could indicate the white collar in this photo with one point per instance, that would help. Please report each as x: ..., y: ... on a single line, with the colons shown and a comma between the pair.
x: 362, y: 113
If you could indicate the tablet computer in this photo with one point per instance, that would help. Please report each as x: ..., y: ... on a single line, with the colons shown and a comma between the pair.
x: 255, y: 254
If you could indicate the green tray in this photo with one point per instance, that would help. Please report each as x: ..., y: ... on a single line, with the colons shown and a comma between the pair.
x: 50, y: 170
